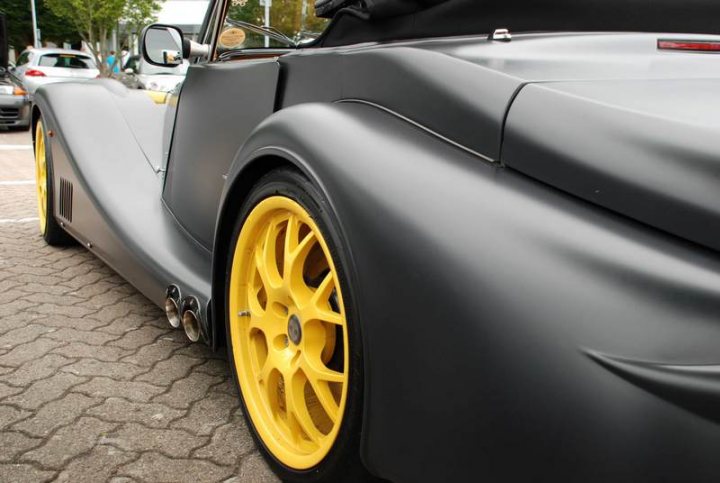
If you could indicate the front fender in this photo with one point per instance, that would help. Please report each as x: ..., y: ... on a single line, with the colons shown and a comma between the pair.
x: 507, y: 326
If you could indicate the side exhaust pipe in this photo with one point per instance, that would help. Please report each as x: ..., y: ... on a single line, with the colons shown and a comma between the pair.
x: 172, y: 306
x: 191, y: 318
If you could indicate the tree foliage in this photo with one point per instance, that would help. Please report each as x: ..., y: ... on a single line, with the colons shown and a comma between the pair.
x: 19, y: 21
x: 291, y: 17
x: 94, y: 21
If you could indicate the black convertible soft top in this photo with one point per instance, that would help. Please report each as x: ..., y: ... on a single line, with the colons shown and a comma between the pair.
x: 381, y: 20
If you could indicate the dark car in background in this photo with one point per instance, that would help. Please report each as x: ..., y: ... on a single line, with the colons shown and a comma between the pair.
x: 14, y: 103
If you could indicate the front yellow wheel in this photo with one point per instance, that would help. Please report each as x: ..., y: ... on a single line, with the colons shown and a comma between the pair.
x: 50, y: 229
x: 41, y: 175
x: 289, y: 332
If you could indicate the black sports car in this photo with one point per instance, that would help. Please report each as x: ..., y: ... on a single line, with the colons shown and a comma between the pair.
x: 444, y: 240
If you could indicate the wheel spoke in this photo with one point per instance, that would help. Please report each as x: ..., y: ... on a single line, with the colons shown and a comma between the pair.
x: 320, y: 308
x: 324, y: 395
x: 297, y: 407
x: 314, y: 369
x: 265, y: 260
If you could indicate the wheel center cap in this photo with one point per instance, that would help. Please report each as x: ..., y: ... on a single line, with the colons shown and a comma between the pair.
x: 294, y: 330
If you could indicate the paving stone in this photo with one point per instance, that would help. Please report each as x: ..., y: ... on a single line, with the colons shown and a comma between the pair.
x: 96, y: 466
x: 60, y: 308
x: 229, y: 443
x: 21, y: 335
x: 71, y: 311
x: 28, y: 351
x: 137, y: 338
x: 208, y: 413
x: 188, y: 390
x: 216, y: 367
x: 124, y: 324
x: 113, y: 312
x: 10, y: 415
x: 56, y: 414
x: 24, y: 473
x: 201, y: 352
x: 12, y: 295
x: 255, y: 469
x: 6, y: 390
x: 69, y: 442
x: 40, y: 288
x: 98, y: 288
x: 36, y: 369
x: 227, y: 386
x: 170, y: 370
x: 175, y: 442
x: 114, y: 370
x: 101, y: 300
x: 48, y: 298
x: 157, y: 467
x: 61, y: 320
x: 20, y: 319
x: 13, y: 444
x: 101, y: 353
x: 150, y: 415
x: 44, y: 390
x: 134, y: 391
x: 67, y: 334
x: 152, y: 353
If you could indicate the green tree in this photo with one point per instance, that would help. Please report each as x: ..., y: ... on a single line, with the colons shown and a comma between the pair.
x: 94, y: 21
x: 291, y: 17
x: 19, y: 20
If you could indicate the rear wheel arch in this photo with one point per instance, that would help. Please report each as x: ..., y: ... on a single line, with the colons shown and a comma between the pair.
x: 233, y: 201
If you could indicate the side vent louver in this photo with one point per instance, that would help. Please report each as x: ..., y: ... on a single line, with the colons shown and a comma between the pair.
x: 66, y: 199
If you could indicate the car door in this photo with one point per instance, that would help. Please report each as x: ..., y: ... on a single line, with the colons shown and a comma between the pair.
x: 221, y: 102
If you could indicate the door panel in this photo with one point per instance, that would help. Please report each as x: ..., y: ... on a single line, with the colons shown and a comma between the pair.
x: 220, y: 104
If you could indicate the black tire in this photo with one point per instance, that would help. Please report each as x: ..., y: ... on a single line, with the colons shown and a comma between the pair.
x: 53, y: 234
x: 342, y: 463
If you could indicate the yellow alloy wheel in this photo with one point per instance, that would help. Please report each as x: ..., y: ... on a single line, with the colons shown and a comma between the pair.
x: 288, y: 331
x: 41, y: 175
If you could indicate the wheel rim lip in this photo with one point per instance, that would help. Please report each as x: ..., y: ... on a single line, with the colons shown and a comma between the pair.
x: 259, y: 412
x: 41, y: 175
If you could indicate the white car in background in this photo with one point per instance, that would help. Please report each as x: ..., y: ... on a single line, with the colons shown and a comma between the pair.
x: 139, y: 74
x: 36, y: 67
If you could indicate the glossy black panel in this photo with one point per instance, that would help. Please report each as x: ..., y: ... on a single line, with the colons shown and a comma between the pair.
x: 219, y: 105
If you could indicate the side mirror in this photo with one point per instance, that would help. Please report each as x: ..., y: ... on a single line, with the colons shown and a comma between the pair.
x: 162, y: 45
x: 129, y: 70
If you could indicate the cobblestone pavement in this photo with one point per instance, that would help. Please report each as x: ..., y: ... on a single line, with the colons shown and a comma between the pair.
x: 94, y: 384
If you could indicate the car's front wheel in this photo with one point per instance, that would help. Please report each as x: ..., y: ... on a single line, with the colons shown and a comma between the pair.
x: 293, y: 340
x: 50, y: 230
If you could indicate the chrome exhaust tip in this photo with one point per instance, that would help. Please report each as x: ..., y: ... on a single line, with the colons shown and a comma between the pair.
x: 172, y: 312
x: 172, y: 308
x: 191, y: 324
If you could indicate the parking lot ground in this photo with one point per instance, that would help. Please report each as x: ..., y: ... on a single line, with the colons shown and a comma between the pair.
x: 94, y: 384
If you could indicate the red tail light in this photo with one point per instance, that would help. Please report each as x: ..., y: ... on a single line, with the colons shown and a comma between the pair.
x: 690, y: 45
x: 34, y: 73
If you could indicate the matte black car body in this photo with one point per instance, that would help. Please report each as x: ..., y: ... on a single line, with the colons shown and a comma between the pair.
x: 532, y: 228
